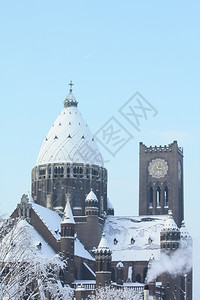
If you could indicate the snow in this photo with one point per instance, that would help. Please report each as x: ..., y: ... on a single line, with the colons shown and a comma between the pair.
x: 68, y: 216
x: 110, y: 206
x: 69, y: 140
x: 31, y: 239
x: 91, y: 271
x: 80, y: 251
x: 123, y: 229
x: 184, y: 232
x: 103, y: 243
x: 170, y: 223
x: 49, y: 217
x: 52, y: 220
x: 91, y: 196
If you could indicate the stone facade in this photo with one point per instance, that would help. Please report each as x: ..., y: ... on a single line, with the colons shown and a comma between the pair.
x: 52, y: 182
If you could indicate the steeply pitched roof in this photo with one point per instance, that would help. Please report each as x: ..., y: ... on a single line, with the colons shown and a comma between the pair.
x: 68, y: 216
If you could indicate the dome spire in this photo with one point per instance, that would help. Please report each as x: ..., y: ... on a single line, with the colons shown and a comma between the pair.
x: 70, y: 100
x: 70, y: 84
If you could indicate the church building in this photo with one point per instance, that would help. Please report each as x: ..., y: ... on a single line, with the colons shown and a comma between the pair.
x: 69, y: 208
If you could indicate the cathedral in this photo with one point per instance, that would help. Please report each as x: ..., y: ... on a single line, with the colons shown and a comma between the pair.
x: 69, y: 208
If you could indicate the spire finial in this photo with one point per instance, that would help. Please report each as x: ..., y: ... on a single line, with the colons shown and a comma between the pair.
x: 70, y: 84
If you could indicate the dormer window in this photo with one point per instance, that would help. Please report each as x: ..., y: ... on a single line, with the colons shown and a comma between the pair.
x: 39, y: 245
x: 132, y: 241
x: 115, y: 241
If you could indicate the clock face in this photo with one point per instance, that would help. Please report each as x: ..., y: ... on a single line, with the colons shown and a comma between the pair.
x: 158, y: 168
x: 179, y: 170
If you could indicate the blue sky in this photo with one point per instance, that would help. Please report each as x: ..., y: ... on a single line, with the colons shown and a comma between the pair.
x: 110, y: 49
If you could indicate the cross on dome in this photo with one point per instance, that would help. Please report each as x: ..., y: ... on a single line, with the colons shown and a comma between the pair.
x: 70, y: 84
x: 70, y: 100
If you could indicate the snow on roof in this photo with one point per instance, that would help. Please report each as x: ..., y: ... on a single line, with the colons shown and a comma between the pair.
x: 24, y: 235
x: 68, y: 216
x: 170, y: 223
x: 103, y: 243
x: 69, y: 140
x: 110, y: 206
x: 89, y: 269
x: 184, y: 232
x: 52, y: 220
x: 91, y: 196
x: 128, y: 237
x: 49, y: 217
x: 80, y: 251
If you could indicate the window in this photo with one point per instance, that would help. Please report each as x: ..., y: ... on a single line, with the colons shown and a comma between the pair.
x: 158, y: 197
x: 166, y: 197
x: 138, y: 278
x: 151, y: 197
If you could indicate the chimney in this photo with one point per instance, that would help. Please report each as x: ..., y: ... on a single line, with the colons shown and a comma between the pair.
x: 146, y: 292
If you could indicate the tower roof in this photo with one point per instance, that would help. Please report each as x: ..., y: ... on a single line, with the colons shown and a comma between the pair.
x: 184, y: 232
x: 69, y: 139
x: 103, y: 245
x: 170, y: 223
x: 68, y: 216
x: 91, y: 197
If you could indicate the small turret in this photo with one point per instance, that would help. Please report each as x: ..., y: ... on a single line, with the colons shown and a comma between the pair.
x: 103, y: 263
x: 170, y: 235
x: 110, y: 208
x: 91, y: 204
x: 67, y: 242
x: 186, y: 239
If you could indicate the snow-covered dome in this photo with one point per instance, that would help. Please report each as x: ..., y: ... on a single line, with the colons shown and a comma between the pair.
x: 91, y: 197
x: 69, y: 139
x: 170, y: 223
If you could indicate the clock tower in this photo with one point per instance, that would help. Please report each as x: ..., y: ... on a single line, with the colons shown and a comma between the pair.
x: 161, y: 181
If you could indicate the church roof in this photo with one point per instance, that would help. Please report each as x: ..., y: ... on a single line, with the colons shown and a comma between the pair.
x: 31, y: 239
x: 69, y: 139
x: 52, y: 221
x: 134, y: 238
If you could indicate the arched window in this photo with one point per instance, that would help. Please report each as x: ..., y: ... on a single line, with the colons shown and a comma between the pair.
x: 158, y: 197
x: 43, y: 195
x: 77, y: 199
x: 113, y: 274
x: 166, y: 197
x: 58, y: 195
x: 151, y: 197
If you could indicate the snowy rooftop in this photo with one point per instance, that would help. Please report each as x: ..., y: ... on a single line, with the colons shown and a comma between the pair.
x: 52, y: 220
x: 49, y: 217
x: 134, y: 238
x: 31, y: 240
x: 69, y: 140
